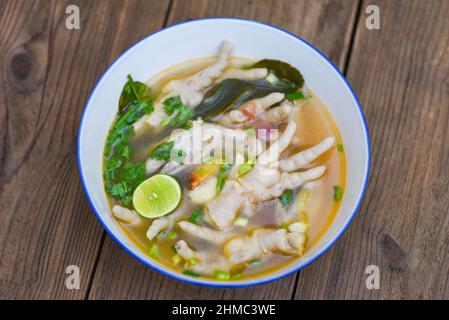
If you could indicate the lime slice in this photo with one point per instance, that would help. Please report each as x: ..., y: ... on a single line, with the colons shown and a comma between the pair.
x: 157, y: 196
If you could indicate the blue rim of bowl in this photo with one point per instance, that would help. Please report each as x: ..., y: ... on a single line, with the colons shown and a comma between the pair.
x: 245, y: 283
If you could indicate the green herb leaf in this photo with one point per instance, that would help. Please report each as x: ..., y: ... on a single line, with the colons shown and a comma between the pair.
x: 133, y: 92
x: 196, y: 215
x: 245, y: 167
x: 162, y: 151
x: 298, y: 95
x: 119, y: 189
x: 340, y: 148
x: 231, y: 93
x: 122, y: 176
x: 223, y: 173
x: 222, y: 275
x: 134, y: 173
x: 126, y: 152
x: 183, y: 116
x: 183, y: 113
x: 338, y: 193
x: 289, y: 77
x: 286, y: 198
x: 111, y: 166
x: 191, y: 273
x: 283, y: 226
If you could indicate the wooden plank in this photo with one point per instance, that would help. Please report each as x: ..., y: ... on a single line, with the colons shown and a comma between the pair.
x: 328, y: 25
x: 47, y: 73
x: 401, y: 75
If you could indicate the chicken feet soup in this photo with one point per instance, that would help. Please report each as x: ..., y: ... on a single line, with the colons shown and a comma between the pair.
x: 224, y: 167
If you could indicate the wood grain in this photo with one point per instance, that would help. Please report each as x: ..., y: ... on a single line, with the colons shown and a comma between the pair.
x: 401, y: 73
x: 327, y: 24
x: 47, y: 73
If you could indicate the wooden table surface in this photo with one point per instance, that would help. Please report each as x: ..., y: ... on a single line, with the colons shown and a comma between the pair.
x: 399, y: 72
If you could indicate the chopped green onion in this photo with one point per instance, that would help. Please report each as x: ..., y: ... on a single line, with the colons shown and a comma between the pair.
x: 172, y: 235
x: 126, y: 152
x: 222, y: 275
x: 302, y: 199
x: 283, y: 225
x: 296, y: 96
x: 286, y: 198
x: 176, y: 259
x: 199, y: 170
x: 241, y: 222
x: 154, y: 251
x: 191, y: 273
x: 338, y: 193
x: 340, y: 148
x: 245, y: 66
x: 236, y: 276
x: 255, y: 263
x: 251, y: 132
x: 193, y: 261
x: 245, y: 167
x: 196, y: 215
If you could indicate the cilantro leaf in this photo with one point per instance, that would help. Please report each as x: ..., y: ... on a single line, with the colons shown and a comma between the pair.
x: 162, y: 151
x: 122, y: 176
x: 133, y: 91
x: 172, y: 104
x: 183, y: 113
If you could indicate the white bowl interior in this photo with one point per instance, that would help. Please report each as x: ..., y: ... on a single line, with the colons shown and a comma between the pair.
x: 202, y: 38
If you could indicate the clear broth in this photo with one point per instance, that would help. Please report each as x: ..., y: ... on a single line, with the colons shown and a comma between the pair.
x: 314, y: 123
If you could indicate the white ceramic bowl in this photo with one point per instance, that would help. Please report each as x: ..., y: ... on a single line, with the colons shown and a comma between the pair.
x: 201, y: 38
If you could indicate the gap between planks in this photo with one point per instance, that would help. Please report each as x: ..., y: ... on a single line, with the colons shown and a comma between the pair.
x: 346, y: 61
x: 353, y: 25
x: 103, y: 236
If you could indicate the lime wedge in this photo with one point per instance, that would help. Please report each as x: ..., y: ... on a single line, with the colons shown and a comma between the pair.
x: 157, y: 196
